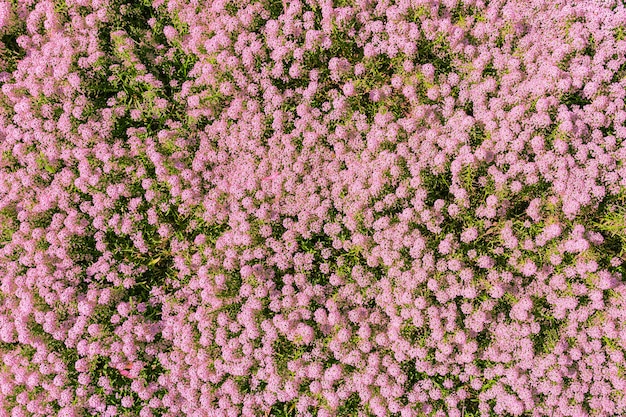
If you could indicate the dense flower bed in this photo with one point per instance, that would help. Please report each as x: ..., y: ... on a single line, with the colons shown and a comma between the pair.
x: 312, y: 208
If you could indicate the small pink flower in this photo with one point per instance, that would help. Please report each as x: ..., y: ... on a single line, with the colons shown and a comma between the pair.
x: 5, y: 14
x: 348, y: 89
x: 529, y: 268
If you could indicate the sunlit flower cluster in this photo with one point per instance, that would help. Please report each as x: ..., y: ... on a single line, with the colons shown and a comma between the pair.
x: 312, y: 208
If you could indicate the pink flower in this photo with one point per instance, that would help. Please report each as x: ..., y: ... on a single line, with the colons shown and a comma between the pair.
x: 5, y: 14
x: 469, y: 235
x: 348, y: 89
x: 127, y: 402
x: 529, y: 268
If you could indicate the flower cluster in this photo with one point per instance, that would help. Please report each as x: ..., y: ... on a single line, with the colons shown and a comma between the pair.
x: 350, y: 208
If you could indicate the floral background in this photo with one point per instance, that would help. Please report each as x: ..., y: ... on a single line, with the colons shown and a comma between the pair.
x: 312, y: 208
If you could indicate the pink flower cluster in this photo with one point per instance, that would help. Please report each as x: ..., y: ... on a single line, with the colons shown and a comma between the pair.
x: 349, y: 208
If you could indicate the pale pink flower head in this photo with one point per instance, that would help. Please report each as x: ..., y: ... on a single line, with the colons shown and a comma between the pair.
x: 5, y: 14
x: 170, y: 32
x: 521, y: 309
x: 348, y: 89
x: 469, y: 235
x: 529, y: 268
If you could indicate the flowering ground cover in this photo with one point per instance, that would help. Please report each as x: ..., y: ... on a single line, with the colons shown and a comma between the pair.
x: 312, y: 208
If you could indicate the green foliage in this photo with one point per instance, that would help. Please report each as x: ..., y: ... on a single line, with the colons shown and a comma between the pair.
x: 287, y: 409
x: 549, y: 333
x: 611, y: 222
x: 437, y: 185
x: 12, y: 53
x: 574, y: 99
